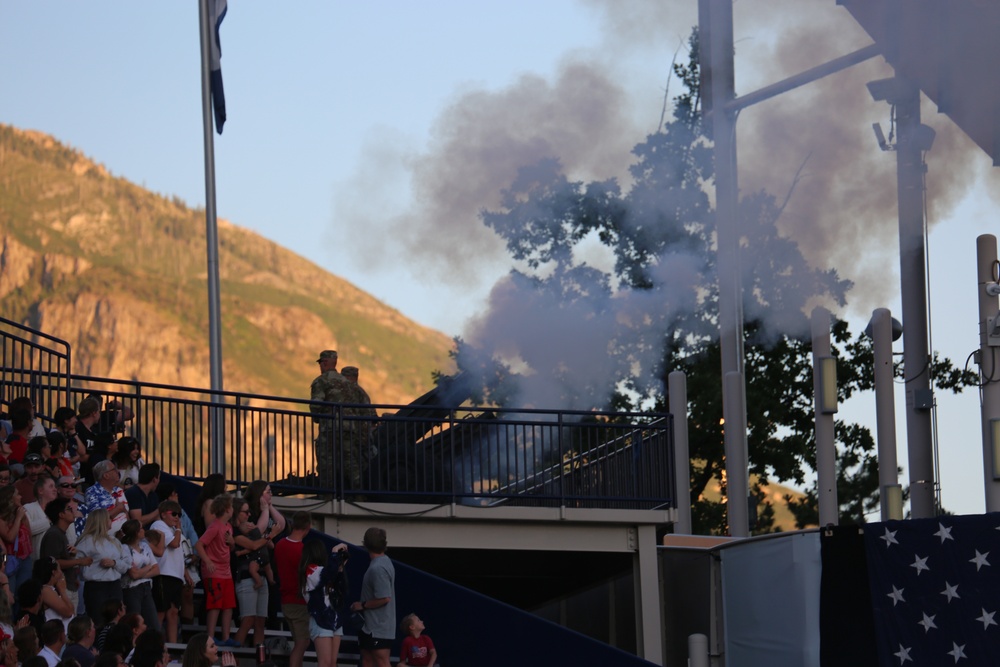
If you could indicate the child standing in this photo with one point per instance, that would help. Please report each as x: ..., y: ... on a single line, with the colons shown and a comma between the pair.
x: 417, y: 649
x: 324, y: 586
x: 213, y: 548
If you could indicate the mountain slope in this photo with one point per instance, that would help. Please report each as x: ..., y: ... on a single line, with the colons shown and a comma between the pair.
x: 120, y: 273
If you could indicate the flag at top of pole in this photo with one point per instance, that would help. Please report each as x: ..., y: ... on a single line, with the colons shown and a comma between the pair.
x: 217, y: 12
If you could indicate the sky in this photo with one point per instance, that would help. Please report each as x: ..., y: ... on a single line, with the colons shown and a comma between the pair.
x: 368, y: 136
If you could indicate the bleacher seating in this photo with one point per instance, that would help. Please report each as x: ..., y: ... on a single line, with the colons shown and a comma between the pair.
x: 466, y: 623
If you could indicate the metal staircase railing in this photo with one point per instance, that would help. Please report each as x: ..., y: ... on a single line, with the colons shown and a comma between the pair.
x: 35, y: 364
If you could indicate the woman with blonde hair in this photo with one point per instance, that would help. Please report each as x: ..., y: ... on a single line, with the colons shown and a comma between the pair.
x: 110, y: 561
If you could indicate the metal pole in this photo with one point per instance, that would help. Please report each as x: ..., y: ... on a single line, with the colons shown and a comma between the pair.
x: 648, y: 602
x: 737, y: 482
x: 716, y: 25
x: 826, y: 449
x: 885, y: 415
x: 913, y: 289
x: 216, y: 425
x: 697, y: 650
x: 808, y: 76
x: 677, y: 389
x: 989, y: 357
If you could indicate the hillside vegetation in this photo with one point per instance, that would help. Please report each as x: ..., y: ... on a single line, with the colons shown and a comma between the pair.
x: 120, y: 273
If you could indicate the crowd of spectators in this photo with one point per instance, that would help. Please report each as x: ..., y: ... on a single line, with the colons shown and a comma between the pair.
x: 98, y: 560
x: 95, y: 551
x: 93, y: 541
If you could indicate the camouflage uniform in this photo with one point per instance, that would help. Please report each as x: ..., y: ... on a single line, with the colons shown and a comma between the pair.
x: 369, y: 424
x: 332, y: 387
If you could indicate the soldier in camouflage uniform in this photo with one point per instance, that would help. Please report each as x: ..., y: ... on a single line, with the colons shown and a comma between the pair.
x: 332, y: 387
x: 351, y: 374
x: 368, y: 426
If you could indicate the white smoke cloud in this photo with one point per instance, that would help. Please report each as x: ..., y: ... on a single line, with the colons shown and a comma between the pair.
x: 477, y: 146
x: 841, y: 212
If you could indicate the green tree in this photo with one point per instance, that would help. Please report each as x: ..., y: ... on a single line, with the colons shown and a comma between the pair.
x: 659, y: 304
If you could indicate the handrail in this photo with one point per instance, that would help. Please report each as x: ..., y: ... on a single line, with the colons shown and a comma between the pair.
x: 21, y: 356
x: 34, y: 332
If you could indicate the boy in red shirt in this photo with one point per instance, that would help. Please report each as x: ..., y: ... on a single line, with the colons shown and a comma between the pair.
x: 213, y: 548
x: 417, y: 649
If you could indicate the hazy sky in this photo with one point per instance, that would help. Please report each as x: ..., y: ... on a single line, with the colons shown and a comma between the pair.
x: 366, y: 136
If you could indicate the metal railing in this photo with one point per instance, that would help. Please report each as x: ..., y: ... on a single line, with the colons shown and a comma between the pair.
x: 465, y: 455
x: 413, y: 453
x: 35, y: 365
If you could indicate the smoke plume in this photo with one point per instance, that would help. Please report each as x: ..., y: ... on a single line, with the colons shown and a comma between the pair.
x: 814, y: 145
x: 477, y: 145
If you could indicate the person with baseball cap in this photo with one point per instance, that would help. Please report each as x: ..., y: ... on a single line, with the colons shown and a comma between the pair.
x: 332, y: 387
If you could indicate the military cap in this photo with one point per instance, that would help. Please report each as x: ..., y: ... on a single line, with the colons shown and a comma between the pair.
x: 327, y: 354
x: 349, y: 370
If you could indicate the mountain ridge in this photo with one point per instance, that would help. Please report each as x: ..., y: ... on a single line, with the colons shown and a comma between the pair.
x: 119, y: 272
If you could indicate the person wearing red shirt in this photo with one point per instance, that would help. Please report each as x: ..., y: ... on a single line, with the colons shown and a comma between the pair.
x: 287, y: 554
x: 417, y: 649
x: 216, y: 574
x: 17, y: 441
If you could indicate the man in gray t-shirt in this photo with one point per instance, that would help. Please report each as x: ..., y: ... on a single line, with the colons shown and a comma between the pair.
x: 378, y: 602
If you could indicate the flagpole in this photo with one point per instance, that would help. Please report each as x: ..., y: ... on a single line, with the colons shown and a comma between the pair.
x: 212, y: 242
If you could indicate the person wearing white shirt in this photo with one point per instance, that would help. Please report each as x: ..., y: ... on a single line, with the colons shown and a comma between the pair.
x: 53, y: 637
x: 110, y: 560
x: 137, y: 585
x: 45, y: 492
x: 168, y: 585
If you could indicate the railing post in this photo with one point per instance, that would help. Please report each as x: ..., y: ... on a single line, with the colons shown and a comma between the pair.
x: 237, y: 439
x: 218, y: 433
x: 34, y: 388
x: 69, y: 373
x: 451, y: 437
x: 562, y: 472
x: 135, y: 415
x: 338, y: 479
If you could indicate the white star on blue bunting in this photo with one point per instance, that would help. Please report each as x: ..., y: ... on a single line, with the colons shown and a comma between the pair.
x: 944, y: 533
x: 928, y: 623
x: 987, y: 619
x: 957, y: 651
